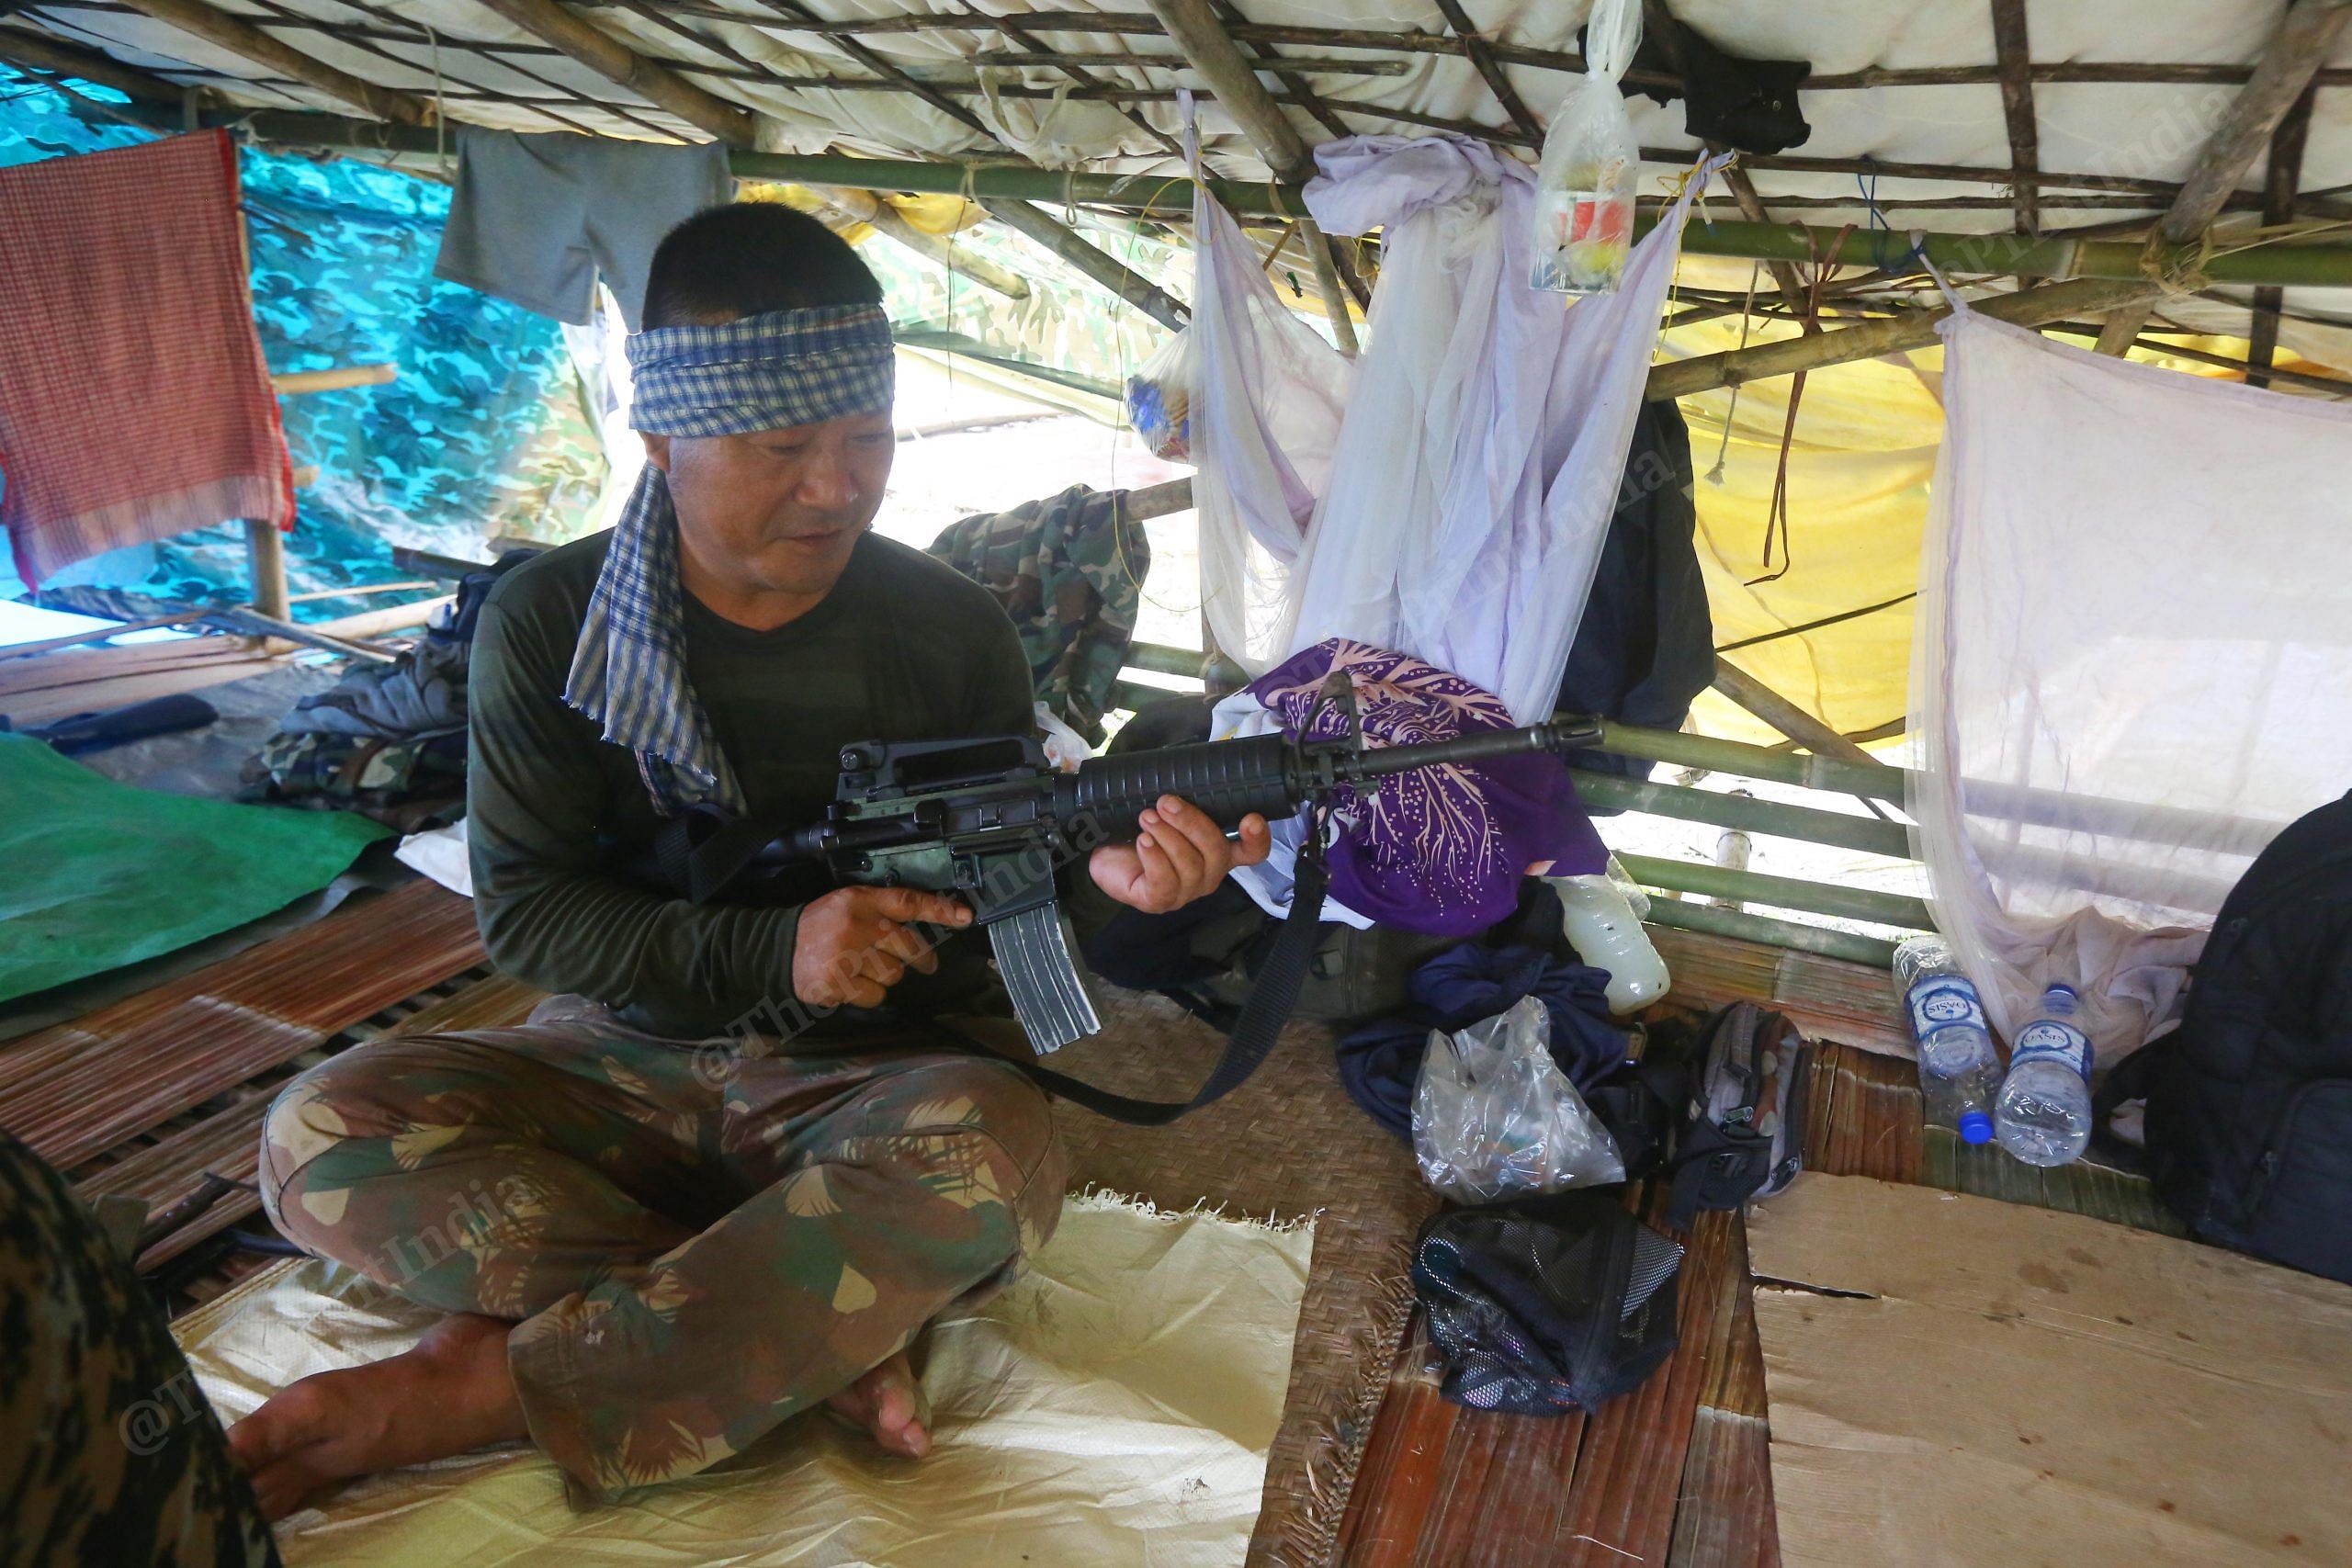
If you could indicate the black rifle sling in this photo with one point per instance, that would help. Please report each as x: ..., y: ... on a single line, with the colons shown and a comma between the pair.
x: 703, y: 869
x: 1254, y: 1033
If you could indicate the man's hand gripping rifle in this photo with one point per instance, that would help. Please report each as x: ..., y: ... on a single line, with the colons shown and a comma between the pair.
x: 990, y: 821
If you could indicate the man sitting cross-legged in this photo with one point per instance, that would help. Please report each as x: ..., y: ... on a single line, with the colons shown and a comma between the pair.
x: 654, y: 1253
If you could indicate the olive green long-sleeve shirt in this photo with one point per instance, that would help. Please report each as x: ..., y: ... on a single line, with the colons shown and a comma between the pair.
x: 903, y: 649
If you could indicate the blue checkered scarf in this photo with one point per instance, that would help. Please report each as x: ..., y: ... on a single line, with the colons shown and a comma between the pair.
x: 768, y: 372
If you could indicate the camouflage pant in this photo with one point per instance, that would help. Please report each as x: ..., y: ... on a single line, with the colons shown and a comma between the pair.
x: 109, y: 1456
x: 695, y: 1248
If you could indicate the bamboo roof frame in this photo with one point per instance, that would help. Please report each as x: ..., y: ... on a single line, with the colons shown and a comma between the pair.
x: 2093, y: 273
x: 943, y: 91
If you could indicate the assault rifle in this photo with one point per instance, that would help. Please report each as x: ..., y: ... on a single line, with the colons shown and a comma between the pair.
x: 991, y: 821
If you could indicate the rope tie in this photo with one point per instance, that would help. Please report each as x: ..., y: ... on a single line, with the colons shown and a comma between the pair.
x: 440, y: 110
x: 1714, y: 476
x: 1777, y: 519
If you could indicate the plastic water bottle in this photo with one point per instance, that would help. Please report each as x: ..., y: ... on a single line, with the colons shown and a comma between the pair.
x: 2044, y: 1110
x: 1957, y: 1067
x: 1599, y: 923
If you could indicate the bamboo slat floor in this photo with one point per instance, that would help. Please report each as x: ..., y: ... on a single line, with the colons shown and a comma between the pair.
x: 79, y: 1088
x: 1678, y: 1472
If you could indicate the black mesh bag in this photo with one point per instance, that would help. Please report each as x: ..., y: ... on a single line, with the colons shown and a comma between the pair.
x: 1547, y: 1305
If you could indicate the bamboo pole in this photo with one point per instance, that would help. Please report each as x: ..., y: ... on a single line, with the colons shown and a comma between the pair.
x: 1204, y: 40
x: 2073, y: 258
x: 1490, y: 70
x: 1778, y: 892
x: 1916, y: 329
x: 1000, y: 59
x: 40, y: 53
x: 1866, y: 834
x: 376, y: 623
x: 1783, y: 714
x: 865, y: 207
x: 1683, y: 915
x: 2282, y: 172
x: 2306, y: 34
x: 334, y: 379
x: 617, y: 62
x: 241, y: 38
x: 1835, y: 775
x: 1122, y: 281
x: 2013, y: 52
x: 265, y: 558
x: 1407, y: 40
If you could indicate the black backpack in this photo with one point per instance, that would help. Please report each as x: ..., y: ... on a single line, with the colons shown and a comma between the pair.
x: 2249, y: 1119
x: 1719, y: 1115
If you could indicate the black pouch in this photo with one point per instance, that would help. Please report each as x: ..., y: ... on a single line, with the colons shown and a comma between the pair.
x: 1547, y: 1305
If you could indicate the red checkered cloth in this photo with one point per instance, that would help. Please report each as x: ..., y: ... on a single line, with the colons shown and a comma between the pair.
x: 134, y: 402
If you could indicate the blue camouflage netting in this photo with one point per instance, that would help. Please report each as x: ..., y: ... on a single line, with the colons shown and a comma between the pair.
x: 485, y: 432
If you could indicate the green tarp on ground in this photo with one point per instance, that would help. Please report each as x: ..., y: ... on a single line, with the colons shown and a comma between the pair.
x: 95, y: 874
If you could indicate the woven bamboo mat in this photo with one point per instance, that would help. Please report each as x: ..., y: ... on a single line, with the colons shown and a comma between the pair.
x: 1288, y: 1143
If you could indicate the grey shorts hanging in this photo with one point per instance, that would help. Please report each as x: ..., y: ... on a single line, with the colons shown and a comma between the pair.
x: 535, y: 218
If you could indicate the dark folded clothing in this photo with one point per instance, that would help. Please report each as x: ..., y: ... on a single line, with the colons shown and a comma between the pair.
x: 1381, y: 1061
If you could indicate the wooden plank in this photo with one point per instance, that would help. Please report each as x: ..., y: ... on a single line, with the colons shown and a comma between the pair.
x: 1397, y: 1484
x: 2013, y: 48
x: 2282, y: 176
x: 240, y: 36
x: 1500, y: 1491
x: 2289, y: 63
x: 1725, y: 1517
x: 1736, y: 1369
x: 83, y: 665
x: 1618, y: 1509
x: 77, y: 1089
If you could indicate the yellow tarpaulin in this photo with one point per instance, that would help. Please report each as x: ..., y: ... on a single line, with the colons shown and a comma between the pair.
x: 1114, y: 1406
x: 1864, y: 454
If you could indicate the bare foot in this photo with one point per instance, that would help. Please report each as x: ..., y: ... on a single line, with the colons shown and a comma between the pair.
x: 885, y: 1402
x: 449, y: 1394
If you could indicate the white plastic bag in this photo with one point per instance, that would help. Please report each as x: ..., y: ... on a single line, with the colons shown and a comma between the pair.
x: 1064, y: 747
x: 1159, y: 398
x: 1584, y: 184
x: 1494, y: 1118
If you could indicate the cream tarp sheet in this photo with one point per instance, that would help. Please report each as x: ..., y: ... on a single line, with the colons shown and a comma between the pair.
x: 1114, y: 1406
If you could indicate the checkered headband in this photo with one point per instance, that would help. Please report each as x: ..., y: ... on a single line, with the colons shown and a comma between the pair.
x: 629, y: 670
x: 763, y: 372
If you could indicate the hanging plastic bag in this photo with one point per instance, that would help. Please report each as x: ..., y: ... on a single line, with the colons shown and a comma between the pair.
x: 1159, y: 398
x: 1494, y: 1118
x: 1584, y: 186
x: 1064, y: 747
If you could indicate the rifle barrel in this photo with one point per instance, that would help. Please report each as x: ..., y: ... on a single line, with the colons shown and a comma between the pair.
x: 1485, y: 746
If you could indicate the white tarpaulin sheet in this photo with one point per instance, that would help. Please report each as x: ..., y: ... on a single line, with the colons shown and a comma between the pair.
x: 1115, y: 1405
x: 2133, y: 664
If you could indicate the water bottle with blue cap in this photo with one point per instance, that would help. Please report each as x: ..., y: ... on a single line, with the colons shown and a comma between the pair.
x: 2044, y: 1110
x: 1957, y: 1067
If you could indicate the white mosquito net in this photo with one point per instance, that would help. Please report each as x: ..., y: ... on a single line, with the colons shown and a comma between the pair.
x: 2133, y: 663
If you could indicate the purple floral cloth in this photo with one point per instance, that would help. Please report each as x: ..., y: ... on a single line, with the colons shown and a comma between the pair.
x: 1436, y: 850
